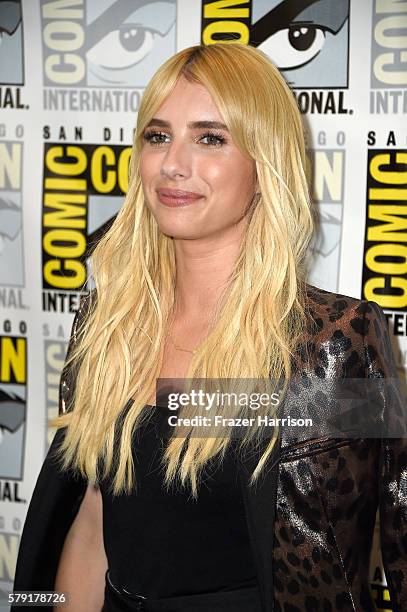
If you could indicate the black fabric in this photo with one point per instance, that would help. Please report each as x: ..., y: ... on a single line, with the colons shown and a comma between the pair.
x: 54, y: 504
x: 245, y: 599
x: 163, y: 543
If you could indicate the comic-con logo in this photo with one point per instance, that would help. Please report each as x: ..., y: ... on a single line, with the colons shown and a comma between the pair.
x: 388, y: 77
x: 327, y: 182
x: 11, y: 54
x: 13, y: 375
x: 55, y: 354
x: 307, y: 40
x: 9, y: 545
x: 108, y: 44
x: 11, y: 234
x: 385, y: 258
x: 83, y: 189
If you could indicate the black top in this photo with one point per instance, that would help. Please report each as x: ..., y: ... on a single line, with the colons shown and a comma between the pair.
x: 161, y: 544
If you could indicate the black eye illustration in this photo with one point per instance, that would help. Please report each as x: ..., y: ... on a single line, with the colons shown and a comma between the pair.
x: 295, y: 46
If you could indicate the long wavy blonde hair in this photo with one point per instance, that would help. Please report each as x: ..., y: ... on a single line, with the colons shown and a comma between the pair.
x: 120, y: 343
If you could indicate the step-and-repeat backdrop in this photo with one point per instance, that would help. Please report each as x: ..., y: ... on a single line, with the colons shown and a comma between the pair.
x: 72, y: 73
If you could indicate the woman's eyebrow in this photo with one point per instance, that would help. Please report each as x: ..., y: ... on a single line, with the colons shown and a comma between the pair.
x: 217, y: 125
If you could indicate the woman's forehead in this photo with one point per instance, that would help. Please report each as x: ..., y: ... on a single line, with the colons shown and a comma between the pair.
x: 190, y: 97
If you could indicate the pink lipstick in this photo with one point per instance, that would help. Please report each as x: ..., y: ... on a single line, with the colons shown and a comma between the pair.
x: 177, y: 197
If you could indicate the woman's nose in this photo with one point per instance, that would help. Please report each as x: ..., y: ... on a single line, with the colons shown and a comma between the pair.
x: 177, y: 160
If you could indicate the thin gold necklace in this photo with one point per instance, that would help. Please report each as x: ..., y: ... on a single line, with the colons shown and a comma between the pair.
x: 179, y: 348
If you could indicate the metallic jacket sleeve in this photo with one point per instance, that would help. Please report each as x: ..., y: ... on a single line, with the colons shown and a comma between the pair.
x: 380, y: 362
x: 54, y: 504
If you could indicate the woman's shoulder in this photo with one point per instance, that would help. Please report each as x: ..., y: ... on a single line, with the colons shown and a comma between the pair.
x: 336, y: 311
x: 354, y: 328
x: 87, y: 300
x: 324, y: 301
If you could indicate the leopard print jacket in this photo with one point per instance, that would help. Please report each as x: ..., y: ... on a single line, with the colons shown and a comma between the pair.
x: 312, y: 517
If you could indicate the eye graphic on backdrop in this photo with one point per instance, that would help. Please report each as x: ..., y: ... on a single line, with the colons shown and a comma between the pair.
x: 307, y: 39
x: 295, y: 46
x: 11, y: 43
x: 123, y: 48
x: 128, y: 41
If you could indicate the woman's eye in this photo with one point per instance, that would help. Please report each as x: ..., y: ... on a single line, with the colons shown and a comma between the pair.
x: 158, y: 138
x: 214, y: 139
x: 155, y: 138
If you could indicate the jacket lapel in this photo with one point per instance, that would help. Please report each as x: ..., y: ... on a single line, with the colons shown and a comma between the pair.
x: 260, y: 505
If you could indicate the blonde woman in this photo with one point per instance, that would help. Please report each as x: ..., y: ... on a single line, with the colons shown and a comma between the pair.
x: 202, y: 275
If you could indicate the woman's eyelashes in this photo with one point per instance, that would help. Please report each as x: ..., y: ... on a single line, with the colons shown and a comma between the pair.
x: 156, y: 138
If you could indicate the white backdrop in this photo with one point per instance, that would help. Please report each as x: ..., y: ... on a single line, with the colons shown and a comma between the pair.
x: 71, y: 76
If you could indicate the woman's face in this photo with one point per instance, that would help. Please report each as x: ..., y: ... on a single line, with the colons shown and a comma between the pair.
x: 200, y: 158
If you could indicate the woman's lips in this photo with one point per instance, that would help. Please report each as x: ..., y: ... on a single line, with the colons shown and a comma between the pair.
x: 176, y: 197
